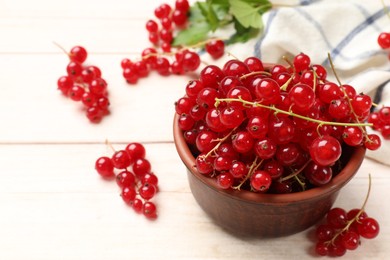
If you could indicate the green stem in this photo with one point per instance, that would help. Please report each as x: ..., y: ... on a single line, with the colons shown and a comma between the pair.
x: 294, y: 174
x: 277, y: 110
x: 255, y: 165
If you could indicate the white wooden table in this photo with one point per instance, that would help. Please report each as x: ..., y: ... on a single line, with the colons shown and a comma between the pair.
x: 53, y: 205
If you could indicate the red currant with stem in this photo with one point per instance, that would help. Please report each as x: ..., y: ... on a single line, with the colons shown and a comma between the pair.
x: 238, y: 169
x: 302, y: 96
x: 267, y: 91
x: 231, y: 117
x: 78, y: 54
x: 206, y: 141
x: 254, y: 64
x: 353, y: 135
x: 372, y: 142
x: 204, y: 165
x: 149, y: 178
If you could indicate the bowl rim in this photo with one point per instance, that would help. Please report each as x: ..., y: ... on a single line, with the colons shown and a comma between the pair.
x: 337, y: 182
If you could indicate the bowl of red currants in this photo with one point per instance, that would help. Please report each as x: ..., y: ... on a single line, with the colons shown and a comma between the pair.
x: 268, y: 147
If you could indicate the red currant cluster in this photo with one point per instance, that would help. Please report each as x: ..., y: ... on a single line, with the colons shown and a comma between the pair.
x: 168, y: 19
x: 278, y: 130
x: 342, y: 231
x: 85, y: 83
x: 161, y: 34
x: 381, y: 121
x: 384, y: 40
x: 133, y: 175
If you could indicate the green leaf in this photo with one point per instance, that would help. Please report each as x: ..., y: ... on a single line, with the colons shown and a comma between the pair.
x: 257, y: 2
x: 192, y: 35
x: 243, y: 34
x: 222, y: 3
x: 209, y: 13
x: 245, y: 14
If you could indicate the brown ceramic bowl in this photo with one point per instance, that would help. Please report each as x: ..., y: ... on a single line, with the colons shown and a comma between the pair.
x: 246, y: 213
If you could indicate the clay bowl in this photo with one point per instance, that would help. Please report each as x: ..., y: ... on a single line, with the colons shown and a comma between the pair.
x: 246, y: 213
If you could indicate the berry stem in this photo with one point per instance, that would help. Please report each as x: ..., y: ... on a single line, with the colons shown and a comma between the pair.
x: 220, y: 141
x: 200, y: 44
x: 385, y: 8
x: 61, y: 48
x: 290, y: 113
x: 294, y: 174
x: 356, y: 218
x: 254, y: 166
x: 255, y: 73
x: 108, y: 143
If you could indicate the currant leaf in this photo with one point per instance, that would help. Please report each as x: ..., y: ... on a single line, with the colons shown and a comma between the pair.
x: 194, y: 34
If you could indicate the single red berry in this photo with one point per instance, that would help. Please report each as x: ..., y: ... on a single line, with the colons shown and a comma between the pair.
x: 301, y: 62
x: 78, y: 54
x: 125, y: 179
x: 225, y: 180
x: 384, y: 40
x: 149, y: 178
x: 104, y: 166
x: 151, y: 26
x: 368, y: 228
x: 137, y: 205
x: 121, y: 159
x: 261, y: 181
x: 128, y: 194
x: 135, y: 151
x: 337, y: 218
x: 64, y: 84
x: 149, y: 210
x: 325, y: 150
x: 216, y: 48
x: 147, y: 191
x: 141, y: 166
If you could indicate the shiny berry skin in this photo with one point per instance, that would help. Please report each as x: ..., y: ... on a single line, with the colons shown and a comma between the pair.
x: 238, y: 169
x: 182, y: 5
x: 149, y: 210
x: 372, y: 142
x: 137, y: 205
x: 257, y: 127
x: 318, y: 175
x: 151, y: 26
x: 206, y: 141
x: 254, y: 64
x: 235, y: 68
x: 267, y: 91
x: 163, y: 66
x: 231, y: 117
x: 322, y: 248
x: 121, y: 159
x: 352, y: 135
x: 325, y: 150
x: 260, y: 181
x: 210, y: 76
x: 179, y: 18
x: 368, y: 228
x: 147, y: 191
x: 78, y: 54
x: 141, y: 166
x: 302, y: 96
x: 135, y: 151
x: 225, y: 180
x: 125, y: 179
x: 242, y: 142
x: 204, y: 165
x: 265, y: 148
x: 216, y: 48
x: 64, y: 84
x: 350, y: 240
x: 320, y: 71
x: 281, y: 129
x: 206, y: 97
x: 384, y: 40
x: 128, y: 194
x: 301, y: 62
x: 329, y: 91
x: 337, y: 218
x: 325, y: 232
x: 104, y: 166
x: 361, y: 104
x: 74, y: 69
x: 162, y: 11
x: 76, y: 92
x: 191, y: 61
x: 274, y: 168
x: 149, y: 178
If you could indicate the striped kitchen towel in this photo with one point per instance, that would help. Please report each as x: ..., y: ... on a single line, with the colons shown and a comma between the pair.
x: 348, y: 30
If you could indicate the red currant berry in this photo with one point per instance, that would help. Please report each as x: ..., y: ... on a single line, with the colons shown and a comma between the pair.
x: 78, y: 54
x: 141, y: 167
x: 135, y: 151
x: 104, y: 166
x: 128, y: 194
x: 301, y: 62
x: 260, y: 181
x: 225, y: 180
x: 384, y: 40
x: 149, y: 210
x: 325, y: 150
x: 147, y: 191
x: 337, y: 218
x: 368, y: 228
x: 125, y: 179
x: 121, y: 159
x: 216, y: 48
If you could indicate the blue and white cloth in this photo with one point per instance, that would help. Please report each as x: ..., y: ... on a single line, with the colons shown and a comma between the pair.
x: 348, y: 30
